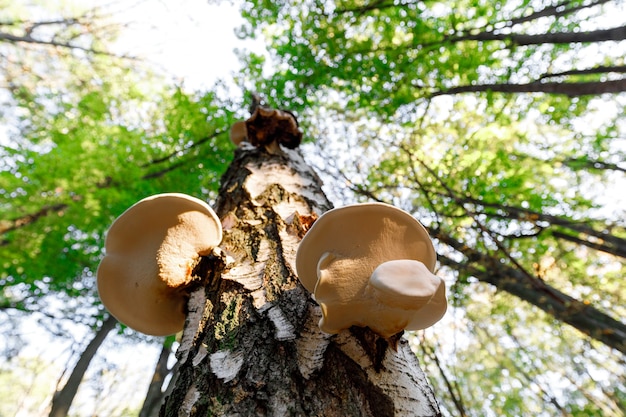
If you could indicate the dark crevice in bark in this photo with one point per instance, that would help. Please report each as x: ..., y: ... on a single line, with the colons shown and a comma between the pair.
x: 374, y: 345
x: 339, y: 368
x: 207, y: 272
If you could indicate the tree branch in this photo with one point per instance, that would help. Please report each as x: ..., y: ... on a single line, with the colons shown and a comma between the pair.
x: 374, y: 5
x: 568, y: 89
x: 617, y: 250
x: 176, y: 153
x: 601, y: 69
x: 164, y: 171
x: 577, y: 163
x: 7, y: 37
x: 607, y: 242
x: 519, y: 282
x: 600, y: 35
x: 561, y: 306
x: 558, y: 10
x: 27, y: 219
x: 69, y: 29
x: 455, y: 393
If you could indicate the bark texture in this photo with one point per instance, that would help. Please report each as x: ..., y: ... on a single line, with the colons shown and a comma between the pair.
x: 251, y: 344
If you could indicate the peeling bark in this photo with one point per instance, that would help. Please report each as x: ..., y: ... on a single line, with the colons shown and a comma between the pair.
x: 251, y: 345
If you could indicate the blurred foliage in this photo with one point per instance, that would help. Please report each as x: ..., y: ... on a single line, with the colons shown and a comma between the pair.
x: 25, y: 385
x: 86, y: 133
x: 86, y: 147
x: 472, y: 116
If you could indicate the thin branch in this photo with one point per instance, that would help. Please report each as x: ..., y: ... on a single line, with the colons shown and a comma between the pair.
x: 164, y: 171
x: 30, y: 218
x: 601, y: 69
x: 7, y: 37
x: 426, y: 193
x: 522, y: 371
x: 606, y: 241
x: 594, y: 36
x: 576, y: 89
x: 617, y: 251
x: 83, y: 22
x: 176, y: 153
x: 558, y: 10
x: 374, y: 5
x: 455, y: 394
x: 575, y: 163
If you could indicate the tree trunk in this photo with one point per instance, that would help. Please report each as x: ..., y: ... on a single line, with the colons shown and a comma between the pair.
x: 155, y: 394
x: 62, y: 399
x: 251, y: 344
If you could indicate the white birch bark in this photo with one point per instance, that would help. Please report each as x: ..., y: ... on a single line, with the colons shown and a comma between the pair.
x: 251, y: 345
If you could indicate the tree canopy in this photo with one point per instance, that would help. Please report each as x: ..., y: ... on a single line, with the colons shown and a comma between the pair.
x: 499, y: 125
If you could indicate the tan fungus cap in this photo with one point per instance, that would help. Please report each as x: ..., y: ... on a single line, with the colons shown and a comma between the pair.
x: 151, y: 250
x: 238, y: 132
x: 345, y: 260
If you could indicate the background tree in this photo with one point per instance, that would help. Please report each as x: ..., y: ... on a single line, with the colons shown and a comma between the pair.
x: 158, y: 390
x: 62, y: 399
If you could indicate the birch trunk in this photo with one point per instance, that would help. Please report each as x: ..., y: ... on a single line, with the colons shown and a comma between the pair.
x: 251, y: 344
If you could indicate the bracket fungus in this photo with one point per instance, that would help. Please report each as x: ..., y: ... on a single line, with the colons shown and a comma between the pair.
x: 238, y: 133
x: 371, y: 265
x: 151, y: 250
x: 268, y: 128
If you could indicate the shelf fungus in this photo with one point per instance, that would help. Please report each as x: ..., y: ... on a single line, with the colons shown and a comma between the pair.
x: 371, y: 265
x: 151, y: 251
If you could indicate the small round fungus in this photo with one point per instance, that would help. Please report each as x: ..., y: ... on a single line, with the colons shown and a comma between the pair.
x: 371, y: 265
x: 238, y: 132
x: 151, y: 250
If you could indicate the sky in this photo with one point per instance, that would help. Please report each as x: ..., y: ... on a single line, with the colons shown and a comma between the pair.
x: 191, y: 39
